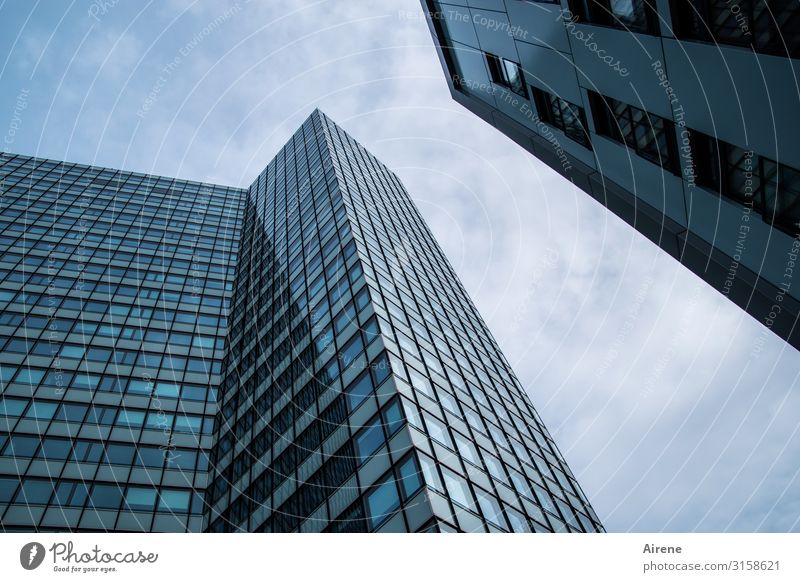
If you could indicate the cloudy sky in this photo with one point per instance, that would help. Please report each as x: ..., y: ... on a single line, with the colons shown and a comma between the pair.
x: 676, y: 411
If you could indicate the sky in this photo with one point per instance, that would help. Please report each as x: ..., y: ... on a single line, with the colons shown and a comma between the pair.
x: 675, y: 410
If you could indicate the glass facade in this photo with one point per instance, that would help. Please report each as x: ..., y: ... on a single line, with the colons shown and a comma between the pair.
x: 362, y: 391
x: 114, y: 298
x: 299, y: 356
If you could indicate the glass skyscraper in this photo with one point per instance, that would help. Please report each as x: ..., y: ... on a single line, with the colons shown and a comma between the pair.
x: 679, y: 116
x: 359, y: 390
x: 115, y: 288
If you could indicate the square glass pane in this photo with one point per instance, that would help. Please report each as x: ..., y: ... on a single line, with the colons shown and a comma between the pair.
x: 187, y: 424
x: 41, y: 410
x: 359, y: 390
x: 140, y: 498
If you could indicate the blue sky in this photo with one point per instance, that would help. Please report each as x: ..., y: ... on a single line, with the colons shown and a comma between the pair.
x: 676, y: 411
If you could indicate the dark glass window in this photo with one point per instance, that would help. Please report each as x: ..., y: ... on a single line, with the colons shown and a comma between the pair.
x: 12, y: 407
x: 71, y: 412
x: 649, y: 135
x: 769, y: 27
x: 771, y: 188
x: 90, y: 452
x: 71, y: 494
x: 55, y: 449
x: 186, y: 423
x: 131, y: 418
x: 324, y: 340
x: 491, y: 509
x: 98, y: 355
x: 563, y: 115
x: 633, y: 15
x: 457, y: 488
x: 184, y: 460
x: 369, y: 439
x: 382, y: 501
x: 380, y: 369
x: 506, y: 73
x: 351, y: 351
x: 362, y: 299
x: 34, y: 492
x: 101, y: 415
x: 140, y: 498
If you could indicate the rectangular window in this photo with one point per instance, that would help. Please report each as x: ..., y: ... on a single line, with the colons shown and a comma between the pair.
x: 34, y: 492
x: 130, y: 418
x: 438, y: 430
x: 21, y: 446
x: 55, y: 449
x: 457, y: 488
x: 106, y: 496
x: 174, y: 501
x: 632, y: 15
x: 140, y: 498
x: 562, y: 115
x: 491, y: 509
x: 382, y: 501
x: 370, y: 439
x: 507, y: 74
x: 769, y: 187
x: 409, y: 477
x: 359, y: 390
x: 650, y: 136
x: 41, y: 410
x: 189, y: 424
x: 351, y: 351
x: 12, y: 407
x: 772, y: 27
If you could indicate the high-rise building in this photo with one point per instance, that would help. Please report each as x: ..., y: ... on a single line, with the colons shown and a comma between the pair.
x: 679, y: 116
x: 114, y: 294
x: 359, y: 391
x: 362, y: 390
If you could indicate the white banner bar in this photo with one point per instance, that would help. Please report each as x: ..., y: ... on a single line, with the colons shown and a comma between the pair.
x: 400, y: 557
